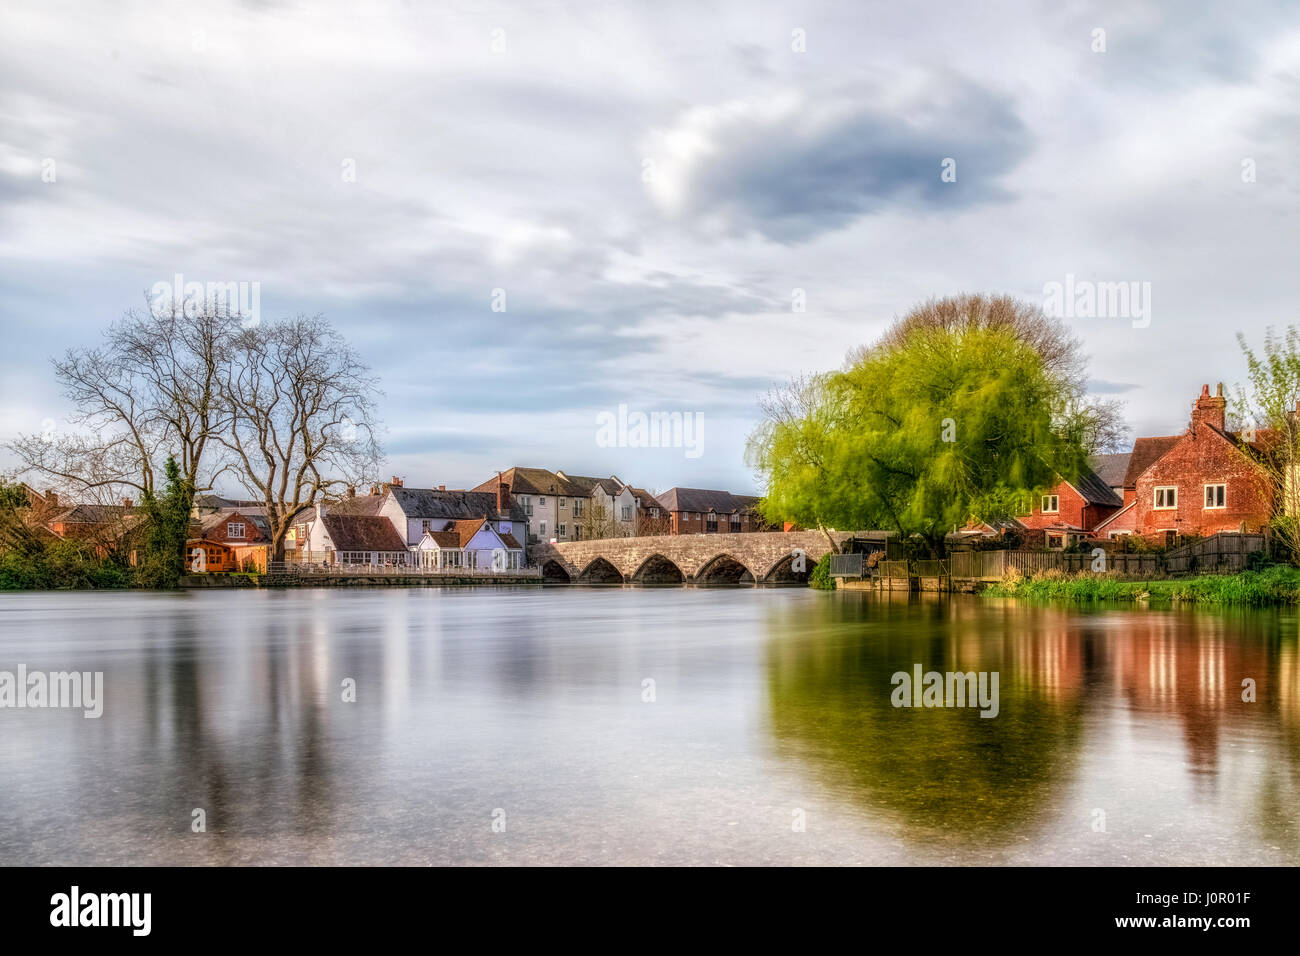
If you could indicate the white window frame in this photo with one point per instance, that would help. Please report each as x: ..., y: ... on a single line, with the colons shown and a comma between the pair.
x: 242, y: 534
x: 1156, y: 496
x: 561, y: 530
x: 1056, y: 504
x: 541, y: 528
x: 541, y: 499
x: 1223, y: 495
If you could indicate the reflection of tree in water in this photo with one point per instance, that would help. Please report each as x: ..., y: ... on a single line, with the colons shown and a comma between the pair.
x: 944, y: 773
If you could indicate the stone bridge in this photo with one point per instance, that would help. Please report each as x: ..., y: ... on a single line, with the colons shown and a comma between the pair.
x: 756, y: 559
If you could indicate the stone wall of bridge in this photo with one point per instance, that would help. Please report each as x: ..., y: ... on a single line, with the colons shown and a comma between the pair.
x: 758, y: 558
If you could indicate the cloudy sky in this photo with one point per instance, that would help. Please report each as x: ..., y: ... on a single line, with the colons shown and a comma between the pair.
x: 648, y: 183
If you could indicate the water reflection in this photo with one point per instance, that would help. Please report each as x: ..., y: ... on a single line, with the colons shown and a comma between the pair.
x: 1108, y: 683
x: 766, y: 703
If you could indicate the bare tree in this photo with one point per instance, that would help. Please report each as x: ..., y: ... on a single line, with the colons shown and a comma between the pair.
x: 597, y: 522
x: 147, y: 392
x: 302, y: 423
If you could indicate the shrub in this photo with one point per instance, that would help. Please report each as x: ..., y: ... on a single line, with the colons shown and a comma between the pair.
x: 820, y: 577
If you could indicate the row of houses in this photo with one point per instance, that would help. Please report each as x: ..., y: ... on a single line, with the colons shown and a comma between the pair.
x: 490, y: 526
x: 1202, y: 481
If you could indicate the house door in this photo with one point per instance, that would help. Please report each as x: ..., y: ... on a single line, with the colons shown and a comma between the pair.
x: 1171, y: 538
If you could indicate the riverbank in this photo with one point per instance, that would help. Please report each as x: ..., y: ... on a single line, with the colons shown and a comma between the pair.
x: 1273, y: 586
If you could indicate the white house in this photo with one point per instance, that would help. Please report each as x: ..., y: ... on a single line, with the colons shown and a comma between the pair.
x: 413, y: 511
x: 472, y: 544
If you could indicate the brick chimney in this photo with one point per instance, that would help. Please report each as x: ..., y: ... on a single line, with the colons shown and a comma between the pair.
x: 52, y: 498
x: 442, y: 487
x: 1210, y: 409
x: 352, y: 491
x: 128, y: 503
x: 503, y: 496
x: 397, y: 482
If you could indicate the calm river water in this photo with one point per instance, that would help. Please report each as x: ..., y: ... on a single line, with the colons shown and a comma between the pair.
x: 517, y: 726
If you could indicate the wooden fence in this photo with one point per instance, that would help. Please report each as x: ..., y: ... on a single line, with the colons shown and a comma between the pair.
x: 1219, y: 552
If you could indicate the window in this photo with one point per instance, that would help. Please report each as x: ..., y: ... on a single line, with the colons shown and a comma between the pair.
x: 541, y: 529
x: 1051, y: 504
x: 562, y: 530
x: 562, y: 502
x: 1166, y: 497
x: 577, y: 507
x: 424, y: 525
x: 235, y: 529
x: 735, y: 522
x: 627, y: 512
x: 1055, y: 541
x: 654, y: 512
x: 541, y: 500
x: 711, y: 521
x: 527, y: 502
x: 1216, y: 496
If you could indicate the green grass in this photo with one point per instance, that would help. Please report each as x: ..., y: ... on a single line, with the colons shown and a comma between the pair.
x: 1268, y: 587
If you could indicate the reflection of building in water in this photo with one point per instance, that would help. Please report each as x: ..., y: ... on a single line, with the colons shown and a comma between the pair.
x: 1189, y: 665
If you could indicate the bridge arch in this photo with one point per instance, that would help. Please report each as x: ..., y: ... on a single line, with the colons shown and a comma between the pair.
x: 553, y: 572
x: 658, y: 569
x: 722, y: 570
x: 782, y: 570
x: 600, y: 571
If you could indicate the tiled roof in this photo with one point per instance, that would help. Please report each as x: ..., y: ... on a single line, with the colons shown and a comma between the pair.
x: 701, y: 499
x: 1146, y: 451
x: 1111, y: 468
x: 357, y: 505
x: 208, y: 522
x: 534, y: 481
x: 452, y: 505
x: 363, y: 533
x: 1094, y: 490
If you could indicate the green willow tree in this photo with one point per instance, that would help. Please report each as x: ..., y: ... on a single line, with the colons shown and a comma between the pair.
x: 938, y: 423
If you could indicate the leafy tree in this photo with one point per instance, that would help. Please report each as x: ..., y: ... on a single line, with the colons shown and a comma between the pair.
x: 937, y: 424
x: 1268, y: 411
x: 167, y: 528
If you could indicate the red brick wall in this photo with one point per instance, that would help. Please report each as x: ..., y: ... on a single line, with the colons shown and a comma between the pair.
x: 696, y: 522
x: 218, y: 531
x: 1074, y: 510
x: 1203, y: 457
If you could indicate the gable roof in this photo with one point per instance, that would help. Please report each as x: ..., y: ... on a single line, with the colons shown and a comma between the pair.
x: 1111, y: 519
x: 458, y: 534
x: 610, y: 486
x: 363, y: 533
x: 703, y: 499
x: 1146, y: 452
x: 1095, y: 491
x: 208, y: 522
x: 534, y: 481
x: 356, y: 505
x: 451, y: 505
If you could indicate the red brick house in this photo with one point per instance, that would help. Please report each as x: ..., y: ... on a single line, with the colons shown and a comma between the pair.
x: 703, y: 511
x: 1072, y: 509
x: 1201, y: 482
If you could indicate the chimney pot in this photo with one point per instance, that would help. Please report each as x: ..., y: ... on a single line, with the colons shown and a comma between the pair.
x: 128, y: 503
x: 442, y: 487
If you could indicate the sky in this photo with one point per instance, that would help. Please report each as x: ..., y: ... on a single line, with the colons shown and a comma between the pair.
x: 648, y: 190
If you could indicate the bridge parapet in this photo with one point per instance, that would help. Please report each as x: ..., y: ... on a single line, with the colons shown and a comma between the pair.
x: 758, y: 558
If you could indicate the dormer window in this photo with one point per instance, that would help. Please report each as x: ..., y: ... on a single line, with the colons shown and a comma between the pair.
x: 235, y: 529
